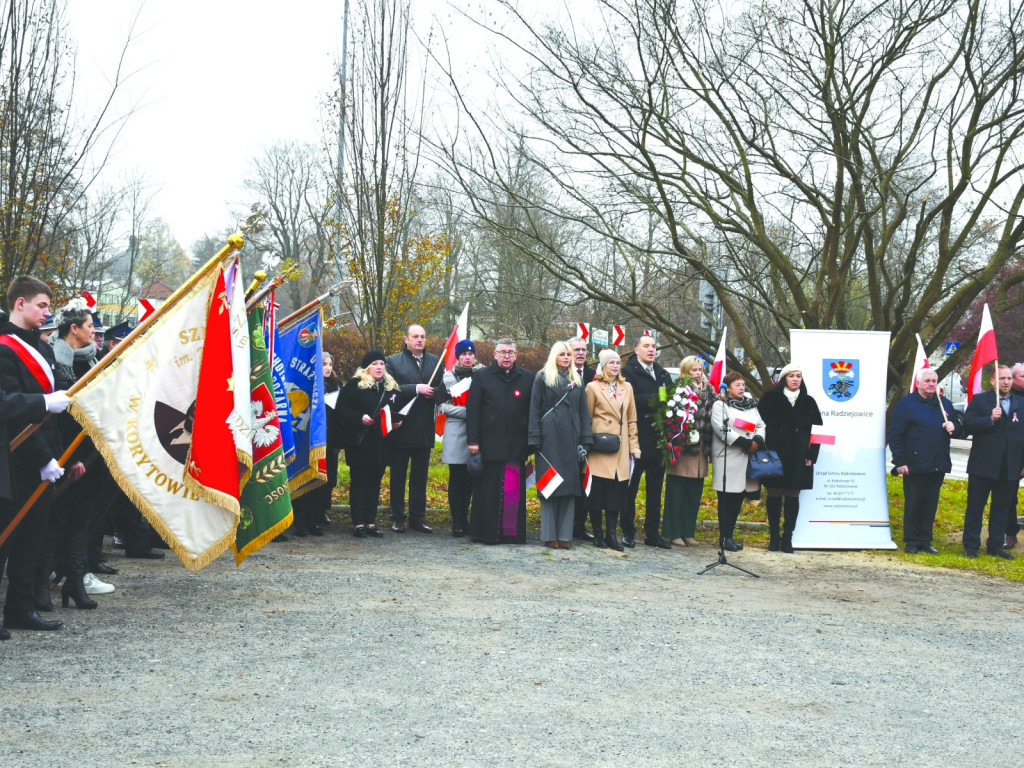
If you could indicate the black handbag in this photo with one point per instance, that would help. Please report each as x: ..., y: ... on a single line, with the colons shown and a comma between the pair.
x: 765, y: 464
x: 475, y: 465
x: 605, y: 443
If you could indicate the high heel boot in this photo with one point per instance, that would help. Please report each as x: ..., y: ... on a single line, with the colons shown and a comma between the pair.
x: 73, y: 587
x: 773, y: 506
x: 595, y: 523
x: 792, y: 508
x: 611, y: 520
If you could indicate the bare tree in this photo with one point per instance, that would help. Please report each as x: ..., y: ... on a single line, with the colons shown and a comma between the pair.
x: 819, y: 165
x: 48, y: 160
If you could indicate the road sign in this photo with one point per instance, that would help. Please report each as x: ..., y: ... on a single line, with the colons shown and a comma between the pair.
x: 952, y: 347
x: 599, y: 337
x: 583, y: 331
x: 618, y: 335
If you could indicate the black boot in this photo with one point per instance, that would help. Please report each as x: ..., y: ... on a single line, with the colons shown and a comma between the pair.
x: 792, y: 508
x: 595, y: 524
x: 773, y: 505
x: 74, y: 589
x: 611, y: 520
x: 76, y: 558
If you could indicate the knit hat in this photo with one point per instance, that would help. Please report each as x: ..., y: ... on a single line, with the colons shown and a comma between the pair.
x: 607, y: 355
x: 789, y: 369
x: 371, y: 357
x: 464, y: 346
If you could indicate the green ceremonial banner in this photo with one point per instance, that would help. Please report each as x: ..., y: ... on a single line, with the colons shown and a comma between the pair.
x: 266, y: 506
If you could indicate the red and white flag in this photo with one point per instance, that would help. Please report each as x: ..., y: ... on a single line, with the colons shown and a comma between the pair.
x: 460, y: 392
x: 820, y: 437
x: 90, y: 300
x: 718, y: 367
x: 459, y: 332
x: 386, y: 424
x: 743, y: 424
x: 984, y: 353
x: 588, y: 481
x: 920, y: 363
x: 548, y: 482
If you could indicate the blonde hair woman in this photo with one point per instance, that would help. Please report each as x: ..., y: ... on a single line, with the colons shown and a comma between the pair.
x: 560, y: 437
x: 612, y: 412
x: 359, y: 406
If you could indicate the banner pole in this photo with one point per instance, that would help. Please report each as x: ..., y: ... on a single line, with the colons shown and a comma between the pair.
x: 39, y: 490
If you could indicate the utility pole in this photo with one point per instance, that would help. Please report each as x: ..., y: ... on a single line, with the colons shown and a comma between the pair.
x: 341, y: 110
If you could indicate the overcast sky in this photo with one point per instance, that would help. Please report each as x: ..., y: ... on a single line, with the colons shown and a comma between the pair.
x: 210, y: 83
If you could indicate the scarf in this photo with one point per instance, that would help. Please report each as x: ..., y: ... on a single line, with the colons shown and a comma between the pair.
x: 744, y: 403
x: 791, y: 394
x: 462, y: 371
x: 66, y: 357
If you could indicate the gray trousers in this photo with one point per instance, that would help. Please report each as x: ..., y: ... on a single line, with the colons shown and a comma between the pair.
x: 556, y: 518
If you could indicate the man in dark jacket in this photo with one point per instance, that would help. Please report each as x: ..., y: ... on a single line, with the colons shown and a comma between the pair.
x: 922, y: 424
x: 579, y: 359
x: 1012, y: 526
x: 646, y: 377
x: 26, y: 369
x: 414, y: 370
x: 994, y: 467
x: 497, y: 428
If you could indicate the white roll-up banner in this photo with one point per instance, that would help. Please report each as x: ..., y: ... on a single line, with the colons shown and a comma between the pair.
x: 845, y: 373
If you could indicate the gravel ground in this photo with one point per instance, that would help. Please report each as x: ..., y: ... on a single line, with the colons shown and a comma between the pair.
x: 424, y: 650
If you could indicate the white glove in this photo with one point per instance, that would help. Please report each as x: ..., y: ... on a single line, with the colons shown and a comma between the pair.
x: 52, y: 472
x: 57, y: 402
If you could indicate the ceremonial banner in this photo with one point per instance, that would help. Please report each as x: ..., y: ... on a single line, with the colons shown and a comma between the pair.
x: 266, y: 506
x: 299, y: 348
x: 139, y: 412
x: 845, y: 372
x: 271, y: 335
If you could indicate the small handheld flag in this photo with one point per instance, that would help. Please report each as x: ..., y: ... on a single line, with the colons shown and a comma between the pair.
x: 743, y: 424
x: 386, y: 425
x: 820, y: 437
x: 548, y: 482
x: 588, y: 481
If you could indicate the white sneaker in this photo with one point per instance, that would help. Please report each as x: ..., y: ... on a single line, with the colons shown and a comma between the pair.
x: 93, y: 586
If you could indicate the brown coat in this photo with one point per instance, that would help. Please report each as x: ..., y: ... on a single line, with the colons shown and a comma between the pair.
x: 605, y: 417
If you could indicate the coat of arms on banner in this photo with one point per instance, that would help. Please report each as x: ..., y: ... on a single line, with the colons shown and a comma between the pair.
x: 841, y: 379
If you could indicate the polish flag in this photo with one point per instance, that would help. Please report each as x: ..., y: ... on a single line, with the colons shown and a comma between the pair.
x: 386, y: 425
x: 548, y: 482
x: 920, y: 363
x: 819, y: 436
x: 588, y: 481
x: 718, y: 367
x: 745, y: 425
x: 460, y: 392
x: 459, y: 332
x: 984, y: 353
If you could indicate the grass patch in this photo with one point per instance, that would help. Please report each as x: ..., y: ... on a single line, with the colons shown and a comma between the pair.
x: 949, y: 519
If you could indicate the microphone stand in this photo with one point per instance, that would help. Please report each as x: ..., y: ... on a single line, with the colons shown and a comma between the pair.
x: 725, y: 478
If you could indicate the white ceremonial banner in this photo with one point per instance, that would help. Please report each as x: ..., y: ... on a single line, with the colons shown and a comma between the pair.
x: 138, y: 412
x: 845, y: 373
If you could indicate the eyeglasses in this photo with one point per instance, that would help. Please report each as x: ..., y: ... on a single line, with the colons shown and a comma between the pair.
x: 504, y: 352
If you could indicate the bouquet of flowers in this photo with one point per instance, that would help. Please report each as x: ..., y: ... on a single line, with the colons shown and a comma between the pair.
x: 676, y: 422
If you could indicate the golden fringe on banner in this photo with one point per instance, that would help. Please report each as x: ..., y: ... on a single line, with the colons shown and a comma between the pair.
x: 263, y: 539
x: 305, y: 481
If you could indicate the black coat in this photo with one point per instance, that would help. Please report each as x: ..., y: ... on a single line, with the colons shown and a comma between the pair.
x: 645, y: 391
x: 788, y: 432
x: 916, y: 436
x: 366, y: 444
x: 994, y: 441
x: 45, y: 443
x: 498, y: 413
x: 418, y: 427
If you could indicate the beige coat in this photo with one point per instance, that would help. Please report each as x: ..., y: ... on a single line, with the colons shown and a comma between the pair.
x: 690, y: 464
x: 605, y: 417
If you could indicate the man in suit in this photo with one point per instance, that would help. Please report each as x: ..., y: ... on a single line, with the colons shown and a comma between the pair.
x: 996, y: 421
x: 1012, y: 526
x: 414, y: 370
x: 579, y: 358
x: 27, y: 384
x: 646, y: 377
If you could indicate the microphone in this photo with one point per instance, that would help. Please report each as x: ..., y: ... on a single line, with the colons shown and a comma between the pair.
x: 722, y: 389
